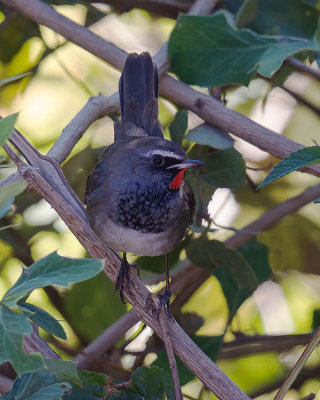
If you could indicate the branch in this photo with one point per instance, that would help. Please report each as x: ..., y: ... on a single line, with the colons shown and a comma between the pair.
x: 206, y: 107
x: 302, y: 67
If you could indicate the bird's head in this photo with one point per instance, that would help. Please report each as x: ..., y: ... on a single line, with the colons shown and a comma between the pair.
x: 156, y: 160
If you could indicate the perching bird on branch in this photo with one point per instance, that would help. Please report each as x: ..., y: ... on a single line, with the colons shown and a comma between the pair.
x: 137, y: 198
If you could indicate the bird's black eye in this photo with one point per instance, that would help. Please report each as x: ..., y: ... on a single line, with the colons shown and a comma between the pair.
x: 157, y: 160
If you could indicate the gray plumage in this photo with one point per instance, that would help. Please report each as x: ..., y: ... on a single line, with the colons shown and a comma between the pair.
x: 130, y: 203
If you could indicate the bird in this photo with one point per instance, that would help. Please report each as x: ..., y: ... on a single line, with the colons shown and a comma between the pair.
x: 137, y: 199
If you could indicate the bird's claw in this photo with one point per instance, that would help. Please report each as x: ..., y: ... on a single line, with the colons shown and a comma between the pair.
x: 164, y: 301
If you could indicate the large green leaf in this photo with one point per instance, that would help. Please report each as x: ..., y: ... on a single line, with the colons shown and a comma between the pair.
x: 210, y: 135
x: 6, y: 127
x: 295, y: 161
x: 179, y: 126
x: 210, y: 51
x: 13, y: 327
x: 236, y: 277
x: 148, y: 383
x: 43, y: 319
x: 55, y: 270
x: 37, y: 386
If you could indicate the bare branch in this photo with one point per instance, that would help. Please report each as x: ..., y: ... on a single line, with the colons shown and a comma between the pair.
x: 302, y: 67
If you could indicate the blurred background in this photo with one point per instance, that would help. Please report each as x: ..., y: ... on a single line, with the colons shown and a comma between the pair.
x: 59, y: 79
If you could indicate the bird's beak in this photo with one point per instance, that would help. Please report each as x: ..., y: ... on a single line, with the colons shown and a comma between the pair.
x: 187, y: 164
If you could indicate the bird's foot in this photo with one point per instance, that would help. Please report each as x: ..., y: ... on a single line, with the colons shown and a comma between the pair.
x: 164, y: 301
x: 123, y: 275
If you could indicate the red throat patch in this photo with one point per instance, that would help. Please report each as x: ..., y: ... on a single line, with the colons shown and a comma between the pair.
x: 177, y: 180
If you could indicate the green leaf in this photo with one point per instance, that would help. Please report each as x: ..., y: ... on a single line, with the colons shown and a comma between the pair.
x: 55, y: 270
x: 199, y: 252
x: 43, y: 319
x: 210, y: 51
x: 210, y: 135
x: 256, y: 254
x: 63, y: 370
x: 37, y: 386
x: 8, y: 192
x: 179, y: 126
x: 226, y: 169
x: 273, y: 58
x: 235, y: 295
x: 148, y: 383
x: 13, y: 327
x: 6, y: 127
x: 236, y: 277
x: 295, y: 161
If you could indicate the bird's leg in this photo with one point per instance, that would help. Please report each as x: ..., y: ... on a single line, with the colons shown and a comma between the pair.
x: 164, y: 298
x: 122, y: 275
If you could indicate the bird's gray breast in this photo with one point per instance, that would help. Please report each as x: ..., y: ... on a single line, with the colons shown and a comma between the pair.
x: 146, y: 208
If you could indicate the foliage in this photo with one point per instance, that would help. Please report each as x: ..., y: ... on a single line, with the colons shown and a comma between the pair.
x: 241, y: 50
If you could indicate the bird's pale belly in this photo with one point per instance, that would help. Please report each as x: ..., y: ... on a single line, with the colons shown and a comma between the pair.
x: 140, y: 243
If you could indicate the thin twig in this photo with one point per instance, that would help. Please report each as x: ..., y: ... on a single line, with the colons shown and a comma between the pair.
x: 298, y: 366
x: 302, y: 67
x: 172, y: 361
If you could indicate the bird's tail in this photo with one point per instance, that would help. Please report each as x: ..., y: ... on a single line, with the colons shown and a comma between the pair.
x: 138, y: 91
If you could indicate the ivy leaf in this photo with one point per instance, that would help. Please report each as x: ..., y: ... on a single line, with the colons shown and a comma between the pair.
x: 210, y: 135
x: 6, y: 127
x: 210, y: 51
x: 43, y: 319
x: 54, y: 270
x: 13, y: 327
x: 295, y: 161
x: 37, y: 386
x: 179, y: 126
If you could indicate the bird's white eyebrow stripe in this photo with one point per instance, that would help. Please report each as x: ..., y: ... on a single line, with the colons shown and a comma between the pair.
x: 164, y: 153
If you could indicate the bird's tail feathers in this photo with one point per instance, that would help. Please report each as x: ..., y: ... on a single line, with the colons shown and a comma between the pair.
x: 138, y: 90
